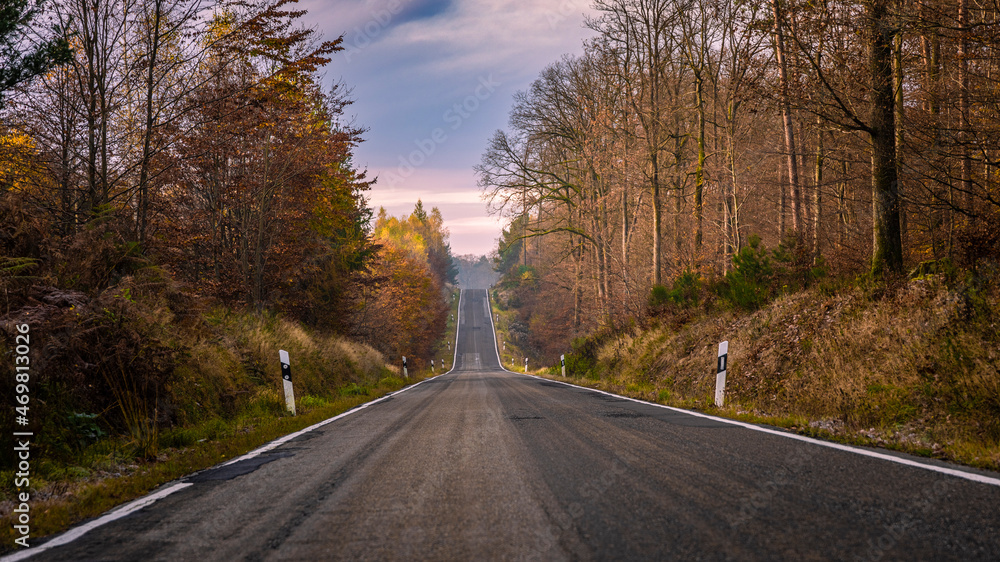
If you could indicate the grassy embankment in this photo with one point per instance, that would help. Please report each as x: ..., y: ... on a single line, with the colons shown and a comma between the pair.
x: 444, y: 352
x: 511, y: 356
x: 225, y: 398
x: 912, y: 368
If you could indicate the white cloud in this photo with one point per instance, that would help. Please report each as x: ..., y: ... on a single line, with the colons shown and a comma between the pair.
x: 433, y: 186
x: 406, y: 75
x: 480, y: 225
x: 473, y: 235
x: 493, y: 34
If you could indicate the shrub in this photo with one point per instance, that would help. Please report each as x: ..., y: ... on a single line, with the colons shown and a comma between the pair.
x: 354, y: 389
x: 391, y: 381
x: 684, y: 292
x: 747, y: 286
x: 309, y: 401
x: 658, y: 297
x: 581, y: 361
x: 686, y: 289
x: 800, y: 268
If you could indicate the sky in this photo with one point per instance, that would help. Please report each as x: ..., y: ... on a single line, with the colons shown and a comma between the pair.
x: 432, y: 80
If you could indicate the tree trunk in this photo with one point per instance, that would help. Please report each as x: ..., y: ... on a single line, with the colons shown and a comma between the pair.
x: 699, y: 178
x: 786, y: 117
x: 732, y: 229
x: 887, y: 253
x: 625, y: 227
x: 781, y: 202
x: 678, y: 212
x: 653, y: 143
x: 524, y: 229
x: 67, y: 201
x: 678, y: 188
x: 963, y: 106
x: 151, y: 58
x: 577, y: 285
x: 897, y: 87
x: 598, y: 259
x: 605, y: 250
x: 930, y: 45
x: 842, y: 205
x: 93, y: 192
x: 817, y: 210
x: 657, y: 223
x: 576, y: 250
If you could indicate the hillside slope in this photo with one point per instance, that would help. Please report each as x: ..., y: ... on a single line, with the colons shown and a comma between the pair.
x: 914, y: 368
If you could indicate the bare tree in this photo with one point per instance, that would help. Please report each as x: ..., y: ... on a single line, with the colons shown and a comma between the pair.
x: 641, y: 35
x: 791, y: 154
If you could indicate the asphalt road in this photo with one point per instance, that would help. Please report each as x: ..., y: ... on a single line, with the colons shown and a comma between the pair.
x: 486, y: 464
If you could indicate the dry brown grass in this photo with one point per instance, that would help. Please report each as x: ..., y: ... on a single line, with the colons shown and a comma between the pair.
x: 242, y: 359
x: 917, y: 369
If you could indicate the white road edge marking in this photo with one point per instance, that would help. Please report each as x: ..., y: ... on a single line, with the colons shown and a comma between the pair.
x: 77, y: 532
x: 458, y: 321
x: 285, y: 439
x: 981, y: 479
x: 282, y: 440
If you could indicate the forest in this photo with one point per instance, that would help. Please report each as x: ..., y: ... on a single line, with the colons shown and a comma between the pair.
x: 178, y: 201
x: 814, y: 183
x: 856, y: 138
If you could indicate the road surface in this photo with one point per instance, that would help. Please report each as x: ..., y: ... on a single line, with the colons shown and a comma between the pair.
x: 484, y: 464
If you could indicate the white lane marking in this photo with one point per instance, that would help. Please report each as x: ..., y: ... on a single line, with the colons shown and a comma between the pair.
x: 982, y: 479
x: 458, y: 322
x: 77, y: 532
x: 282, y: 440
x: 496, y: 344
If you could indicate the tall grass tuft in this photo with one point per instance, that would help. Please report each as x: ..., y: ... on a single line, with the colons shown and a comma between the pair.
x: 137, y: 414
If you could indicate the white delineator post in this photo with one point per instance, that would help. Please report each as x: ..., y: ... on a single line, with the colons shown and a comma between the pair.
x: 562, y: 363
x: 720, y: 376
x: 286, y: 380
x: 525, y: 364
x: 405, y: 374
x: 432, y: 365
